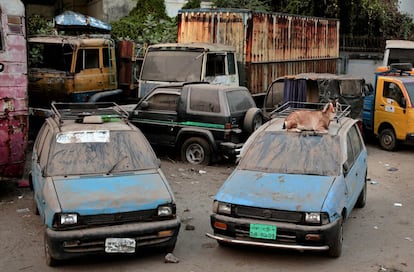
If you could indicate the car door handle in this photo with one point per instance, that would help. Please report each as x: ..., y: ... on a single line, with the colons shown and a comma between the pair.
x: 382, y: 105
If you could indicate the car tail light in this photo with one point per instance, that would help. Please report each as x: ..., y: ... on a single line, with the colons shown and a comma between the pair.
x: 227, y: 131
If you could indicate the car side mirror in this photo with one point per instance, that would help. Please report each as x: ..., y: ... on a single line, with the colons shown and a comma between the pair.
x: 403, y: 102
x: 345, y: 168
x: 144, y: 105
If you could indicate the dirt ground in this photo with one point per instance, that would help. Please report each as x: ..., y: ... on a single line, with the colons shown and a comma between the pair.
x: 379, y: 237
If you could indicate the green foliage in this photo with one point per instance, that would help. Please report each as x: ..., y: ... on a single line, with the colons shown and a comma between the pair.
x: 147, y: 23
x: 37, y: 24
x: 192, y: 4
x: 256, y: 5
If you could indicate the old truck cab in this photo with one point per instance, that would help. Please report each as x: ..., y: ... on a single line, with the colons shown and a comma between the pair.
x: 389, y: 111
x: 66, y: 68
x: 188, y: 62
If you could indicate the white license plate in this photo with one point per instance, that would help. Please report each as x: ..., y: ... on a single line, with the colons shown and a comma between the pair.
x: 119, y: 245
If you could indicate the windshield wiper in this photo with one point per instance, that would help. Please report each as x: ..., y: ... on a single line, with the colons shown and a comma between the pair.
x: 116, y: 164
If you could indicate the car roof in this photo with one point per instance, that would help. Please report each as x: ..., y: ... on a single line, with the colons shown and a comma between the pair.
x: 200, y: 85
x: 89, y: 116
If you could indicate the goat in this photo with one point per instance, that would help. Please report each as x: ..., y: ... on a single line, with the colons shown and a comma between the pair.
x: 311, y: 120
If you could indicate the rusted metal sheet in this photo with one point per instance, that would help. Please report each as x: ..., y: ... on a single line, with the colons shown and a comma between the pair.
x: 13, y: 89
x: 268, y: 45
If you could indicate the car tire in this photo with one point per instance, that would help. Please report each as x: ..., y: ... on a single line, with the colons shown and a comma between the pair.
x: 362, y: 198
x: 252, y: 120
x: 50, y: 261
x: 387, y: 139
x: 335, y: 248
x: 196, y: 150
x: 169, y: 248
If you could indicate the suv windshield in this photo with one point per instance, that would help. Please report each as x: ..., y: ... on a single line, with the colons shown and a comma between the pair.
x: 79, y: 153
x: 293, y: 153
x: 172, y: 66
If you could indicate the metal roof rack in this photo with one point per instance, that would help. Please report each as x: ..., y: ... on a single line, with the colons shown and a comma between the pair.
x: 74, y: 111
x: 290, y: 106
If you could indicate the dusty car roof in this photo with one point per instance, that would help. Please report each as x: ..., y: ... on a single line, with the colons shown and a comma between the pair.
x: 72, y: 125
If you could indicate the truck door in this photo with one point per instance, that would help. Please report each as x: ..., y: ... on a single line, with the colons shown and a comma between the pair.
x: 390, y: 107
x: 89, y: 76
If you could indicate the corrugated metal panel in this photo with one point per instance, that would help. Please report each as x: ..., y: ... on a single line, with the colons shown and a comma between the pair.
x: 268, y: 45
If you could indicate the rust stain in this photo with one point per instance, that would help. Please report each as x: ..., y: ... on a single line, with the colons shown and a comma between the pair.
x: 268, y: 45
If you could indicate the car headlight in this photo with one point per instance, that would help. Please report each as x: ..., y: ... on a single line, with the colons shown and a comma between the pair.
x: 165, y: 211
x: 221, y: 207
x: 316, y: 218
x: 68, y: 218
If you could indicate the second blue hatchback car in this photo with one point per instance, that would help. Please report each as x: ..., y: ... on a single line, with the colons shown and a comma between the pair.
x: 98, y: 186
x: 293, y: 190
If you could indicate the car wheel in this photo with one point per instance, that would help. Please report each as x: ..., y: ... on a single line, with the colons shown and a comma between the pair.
x: 252, y: 120
x: 362, y: 198
x: 387, y: 139
x: 50, y: 261
x: 335, y: 249
x: 196, y: 150
x: 171, y: 245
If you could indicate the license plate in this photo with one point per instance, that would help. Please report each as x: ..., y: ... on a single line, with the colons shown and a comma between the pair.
x: 263, y: 231
x: 119, y: 245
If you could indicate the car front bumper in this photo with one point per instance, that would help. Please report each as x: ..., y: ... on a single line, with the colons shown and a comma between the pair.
x: 67, y: 244
x: 289, y: 235
x: 230, y: 149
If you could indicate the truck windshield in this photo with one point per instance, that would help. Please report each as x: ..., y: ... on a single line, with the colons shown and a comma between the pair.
x: 293, y: 153
x: 410, y: 90
x: 172, y: 66
x: 50, y: 56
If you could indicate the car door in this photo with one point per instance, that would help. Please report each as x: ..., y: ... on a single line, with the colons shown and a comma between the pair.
x: 356, y: 166
x: 156, y: 117
x: 39, y: 160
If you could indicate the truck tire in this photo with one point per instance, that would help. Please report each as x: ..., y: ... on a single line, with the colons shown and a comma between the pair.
x: 196, y: 150
x: 252, y: 120
x: 387, y: 139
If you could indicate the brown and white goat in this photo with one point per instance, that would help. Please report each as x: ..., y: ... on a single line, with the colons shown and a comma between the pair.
x: 311, y: 120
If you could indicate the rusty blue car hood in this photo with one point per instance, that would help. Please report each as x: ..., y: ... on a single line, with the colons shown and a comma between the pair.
x: 276, y: 191
x: 110, y: 194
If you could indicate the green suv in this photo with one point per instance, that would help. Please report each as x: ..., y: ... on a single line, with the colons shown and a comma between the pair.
x: 203, y: 122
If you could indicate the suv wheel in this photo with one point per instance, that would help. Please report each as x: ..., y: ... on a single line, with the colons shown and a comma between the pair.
x: 196, y: 150
x: 252, y: 120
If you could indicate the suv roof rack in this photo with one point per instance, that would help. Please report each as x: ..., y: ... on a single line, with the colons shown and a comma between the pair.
x: 288, y: 107
x: 74, y: 111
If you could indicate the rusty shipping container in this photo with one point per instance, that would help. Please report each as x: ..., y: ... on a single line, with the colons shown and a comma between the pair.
x: 268, y: 45
x: 13, y: 89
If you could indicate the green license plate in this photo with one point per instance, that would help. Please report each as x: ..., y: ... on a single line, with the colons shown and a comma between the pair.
x: 263, y: 231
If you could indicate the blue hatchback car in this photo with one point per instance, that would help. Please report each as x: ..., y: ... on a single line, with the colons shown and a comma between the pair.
x: 98, y: 186
x: 293, y: 190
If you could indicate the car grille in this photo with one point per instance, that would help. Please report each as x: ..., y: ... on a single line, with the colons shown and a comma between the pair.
x: 118, y: 218
x: 269, y: 214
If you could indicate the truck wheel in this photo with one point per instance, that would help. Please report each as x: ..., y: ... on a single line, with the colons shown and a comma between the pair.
x: 196, y: 150
x: 335, y: 249
x: 252, y: 120
x: 387, y: 139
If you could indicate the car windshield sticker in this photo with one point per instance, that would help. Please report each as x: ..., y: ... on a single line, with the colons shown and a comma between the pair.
x: 96, y: 136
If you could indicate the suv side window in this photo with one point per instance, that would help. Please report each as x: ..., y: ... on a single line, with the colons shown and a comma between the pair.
x: 239, y: 101
x: 206, y: 101
x: 163, y: 101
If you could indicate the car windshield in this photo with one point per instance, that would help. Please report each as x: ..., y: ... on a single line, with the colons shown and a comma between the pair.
x: 293, y: 153
x: 99, y: 152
